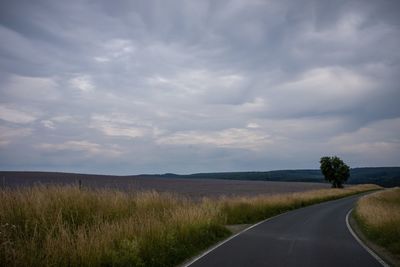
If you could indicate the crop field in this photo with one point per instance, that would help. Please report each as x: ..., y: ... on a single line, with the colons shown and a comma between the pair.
x: 193, y: 188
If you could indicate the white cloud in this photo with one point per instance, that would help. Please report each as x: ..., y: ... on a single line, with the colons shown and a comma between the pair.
x: 115, y: 49
x: 63, y: 118
x: 118, y: 124
x: 253, y: 125
x: 319, y: 90
x: 31, y: 88
x: 375, y: 143
x: 213, y: 87
x: 83, y: 83
x: 120, y: 47
x: 16, y: 116
x: 90, y: 148
x: 330, y: 82
x: 228, y: 138
x: 101, y: 59
x: 48, y: 124
x: 8, y: 135
x: 132, y: 132
x: 258, y: 104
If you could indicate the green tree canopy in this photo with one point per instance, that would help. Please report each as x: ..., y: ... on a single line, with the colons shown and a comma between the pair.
x: 335, y: 171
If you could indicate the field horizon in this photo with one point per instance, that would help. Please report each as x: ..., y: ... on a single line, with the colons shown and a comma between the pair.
x: 383, y: 176
x: 193, y: 188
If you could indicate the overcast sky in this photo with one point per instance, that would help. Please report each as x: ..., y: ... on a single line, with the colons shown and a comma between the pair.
x: 129, y: 87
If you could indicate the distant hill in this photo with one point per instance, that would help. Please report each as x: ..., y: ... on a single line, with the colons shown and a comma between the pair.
x: 384, y: 176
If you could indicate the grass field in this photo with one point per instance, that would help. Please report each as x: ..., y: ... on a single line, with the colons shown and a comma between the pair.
x: 68, y: 226
x: 378, y: 216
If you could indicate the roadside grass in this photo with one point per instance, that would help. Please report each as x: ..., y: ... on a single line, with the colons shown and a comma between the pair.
x: 378, y: 217
x: 68, y: 226
x: 253, y: 209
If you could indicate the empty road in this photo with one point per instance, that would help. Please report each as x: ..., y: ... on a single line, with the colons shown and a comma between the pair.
x: 313, y: 236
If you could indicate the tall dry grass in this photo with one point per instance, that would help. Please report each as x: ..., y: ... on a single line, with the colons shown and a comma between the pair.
x: 378, y: 216
x: 66, y: 226
x: 253, y: 209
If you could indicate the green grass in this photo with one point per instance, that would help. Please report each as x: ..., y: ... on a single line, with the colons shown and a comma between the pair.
x: 378, y: 216
x: 66, y: 226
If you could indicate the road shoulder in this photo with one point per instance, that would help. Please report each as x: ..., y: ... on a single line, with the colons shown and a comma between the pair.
x: 383, y: 253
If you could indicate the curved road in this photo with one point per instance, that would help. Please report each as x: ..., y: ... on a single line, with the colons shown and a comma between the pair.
x: 312, y: 236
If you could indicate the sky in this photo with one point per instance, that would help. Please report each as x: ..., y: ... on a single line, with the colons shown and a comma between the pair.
x: 130, y: 87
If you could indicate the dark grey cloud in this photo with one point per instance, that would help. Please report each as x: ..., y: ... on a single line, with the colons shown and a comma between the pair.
x: 188, y: 86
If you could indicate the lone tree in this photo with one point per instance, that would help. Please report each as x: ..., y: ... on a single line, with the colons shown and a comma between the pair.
x: 335, y: 171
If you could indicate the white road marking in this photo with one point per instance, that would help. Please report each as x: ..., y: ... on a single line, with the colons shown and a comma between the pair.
x: 373, y: 254
x: 230, y: 238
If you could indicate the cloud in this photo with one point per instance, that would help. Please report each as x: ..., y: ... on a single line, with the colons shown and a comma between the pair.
x: 319, y: 91
x: 204, y: 85
x: 119, y: 47
x: 371, y: 143
x: 253, y: 125
x: 63, y: 118
x: 48, y: 124
x: 90, y: 148
x: 16, y: 116
x: 83, y: 83
x: 197, y: 86
x: 10, y: 134
x: 229, y: 138
x: 20, y: 88
x: 117, y: 124
x: 101, y: 59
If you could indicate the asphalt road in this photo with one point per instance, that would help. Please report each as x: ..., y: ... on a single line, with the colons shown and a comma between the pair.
x: 313, y: 236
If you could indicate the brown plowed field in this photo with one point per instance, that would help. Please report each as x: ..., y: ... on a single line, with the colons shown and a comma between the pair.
x: 189, y: 187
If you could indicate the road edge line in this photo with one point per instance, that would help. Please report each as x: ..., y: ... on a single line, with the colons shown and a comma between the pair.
x: 370, y: 251
x: 229, y: 239
x: 254, y: 225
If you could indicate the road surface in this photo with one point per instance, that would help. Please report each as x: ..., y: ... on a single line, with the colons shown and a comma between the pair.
x: 313, y: 236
